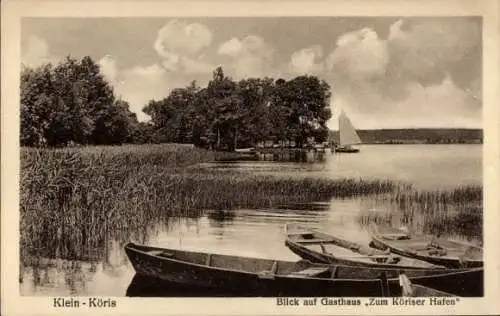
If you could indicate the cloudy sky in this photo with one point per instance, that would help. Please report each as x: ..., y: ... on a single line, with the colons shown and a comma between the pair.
x: 384, y: 72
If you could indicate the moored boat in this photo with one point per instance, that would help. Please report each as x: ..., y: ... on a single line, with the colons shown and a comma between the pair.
x: 440, y: 251
x: 244, y: 276
x: 346, y: 149
x: 325, y: 248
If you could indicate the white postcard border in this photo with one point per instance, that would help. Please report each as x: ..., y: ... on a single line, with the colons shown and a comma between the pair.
x: 13, y: 11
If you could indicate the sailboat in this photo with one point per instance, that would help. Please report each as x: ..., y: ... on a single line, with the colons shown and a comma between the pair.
x: 348, y: 136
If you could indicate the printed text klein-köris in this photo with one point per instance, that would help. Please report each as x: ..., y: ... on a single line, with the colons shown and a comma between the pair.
x: 91, y: 302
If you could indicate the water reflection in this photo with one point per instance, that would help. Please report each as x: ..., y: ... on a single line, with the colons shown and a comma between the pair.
x: 143, y: 286
x: 216, y: 231
x: 253, y: 233
x: 48, y: 275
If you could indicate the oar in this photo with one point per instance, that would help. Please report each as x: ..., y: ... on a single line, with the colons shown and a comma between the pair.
x: 405, y: 284
x: 384, y: 259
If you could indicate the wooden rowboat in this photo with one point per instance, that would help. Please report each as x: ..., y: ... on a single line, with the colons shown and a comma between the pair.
x: 145, y: 286
x: 448, y: 253
x: 325, y: 248
x: 244, y: 276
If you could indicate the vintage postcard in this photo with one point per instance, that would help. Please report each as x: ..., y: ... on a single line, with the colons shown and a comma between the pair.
x: 250, y: 157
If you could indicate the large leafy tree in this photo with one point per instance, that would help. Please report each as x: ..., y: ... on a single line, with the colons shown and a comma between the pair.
x: 280, y: 111
x: 203, y: 121
x: 175, y: 116
x: 255, y: 124
x: 71, y: 102
x: 110, y: 117
x: 225, y: 101
x: 116, y: 124
x: 305, y: 105
x: 185, y: 101
x: 75, y: 97
x: 142, y: 133
x: 228, y: 114
x: 38, y: 102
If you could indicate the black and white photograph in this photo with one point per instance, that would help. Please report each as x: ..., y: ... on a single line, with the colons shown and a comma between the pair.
x: 330, y: 158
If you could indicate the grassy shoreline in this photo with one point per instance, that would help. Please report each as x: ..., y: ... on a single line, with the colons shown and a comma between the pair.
x: 74, y: 199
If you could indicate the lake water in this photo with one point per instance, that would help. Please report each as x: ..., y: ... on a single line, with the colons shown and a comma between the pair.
x: 260, y: 233
x: 424, y: 166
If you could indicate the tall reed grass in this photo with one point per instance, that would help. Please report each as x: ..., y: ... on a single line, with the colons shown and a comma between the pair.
x: 457, y: 212
x: 73, y: 200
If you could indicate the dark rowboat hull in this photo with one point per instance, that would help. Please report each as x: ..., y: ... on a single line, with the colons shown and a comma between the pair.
x: 242, y: 276
x: 145, y: 286
x: 419, y: 247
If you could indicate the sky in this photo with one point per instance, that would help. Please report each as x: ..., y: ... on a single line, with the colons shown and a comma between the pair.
x: 385, y: 72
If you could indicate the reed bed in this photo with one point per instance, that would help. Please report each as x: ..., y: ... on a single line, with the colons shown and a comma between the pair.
x: 166, y: 155
x: 75, y: 199
x: 405, y: 194
x: 457, y: 212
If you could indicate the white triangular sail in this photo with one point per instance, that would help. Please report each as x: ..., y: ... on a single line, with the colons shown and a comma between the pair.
x: 347, y: 132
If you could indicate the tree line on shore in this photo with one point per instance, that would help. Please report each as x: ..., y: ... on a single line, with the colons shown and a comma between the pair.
x: 72, y: 103
x: 417, y: 136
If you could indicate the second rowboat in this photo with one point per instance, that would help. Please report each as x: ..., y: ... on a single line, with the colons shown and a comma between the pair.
x: 325, y: 248
x: 445, y: 252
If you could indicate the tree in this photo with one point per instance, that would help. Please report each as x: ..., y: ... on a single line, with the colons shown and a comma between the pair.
x: 71, y: 102
x: 73, y: 91
x: 204, y: 116
x: 162, y: 118
x: 227, y: 114
x: 175, y: 116
x: 37, y: 102
x: 142, y: 133
x: 102, y: 107
x: 225, y: 101
x: 115, y: 125
x: 255, y: 124
x: 280, y: 111
x: 304, y: 104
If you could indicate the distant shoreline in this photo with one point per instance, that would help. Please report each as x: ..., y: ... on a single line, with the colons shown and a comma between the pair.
x: 415, y: 143
x: 417, y: 136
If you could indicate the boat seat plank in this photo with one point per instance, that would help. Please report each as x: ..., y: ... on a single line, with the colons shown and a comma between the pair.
x: 269, y: 274
x: 315, y: 241
x: 301, y: 233
x: 162, y: 253
x: 334, y: 272
x: 309, y: 272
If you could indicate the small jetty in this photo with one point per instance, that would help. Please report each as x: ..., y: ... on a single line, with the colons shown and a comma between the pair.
x: 275, y: 153
x: 291, y: 154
